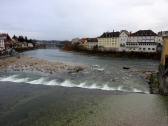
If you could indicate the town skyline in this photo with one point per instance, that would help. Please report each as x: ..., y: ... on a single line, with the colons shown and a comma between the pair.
x: 129, y: 31
x: 64, y: 20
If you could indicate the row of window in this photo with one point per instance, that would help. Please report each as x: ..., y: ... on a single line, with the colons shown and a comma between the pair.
x: 142, y: 41
x: 144, y: 37
x: 1, y: 44
x: 144, y: 49
x: 108, y: 43
x: 142, y: 44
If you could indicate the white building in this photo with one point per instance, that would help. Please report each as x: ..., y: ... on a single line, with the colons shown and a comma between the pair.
x: 142, y: 41
x: 30, y: 45
x: 75, y: 40
x: 123, y: 39
x: 92, y: 43
x: 5, y: 41
x: 2, y: 43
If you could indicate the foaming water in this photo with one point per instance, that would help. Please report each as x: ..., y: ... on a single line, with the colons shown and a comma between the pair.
x: 66, y: 83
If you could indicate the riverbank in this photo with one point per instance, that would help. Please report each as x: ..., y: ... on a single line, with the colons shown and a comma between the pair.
x: 29, y: 64
x: 123, y: 54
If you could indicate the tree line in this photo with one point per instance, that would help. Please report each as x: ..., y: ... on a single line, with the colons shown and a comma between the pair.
x: 23, y: 39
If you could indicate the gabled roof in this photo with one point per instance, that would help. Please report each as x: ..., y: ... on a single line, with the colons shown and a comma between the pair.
x: 4, y: 35
x: 125, y: 31
x: 144, y: 33
x: 110, y: 34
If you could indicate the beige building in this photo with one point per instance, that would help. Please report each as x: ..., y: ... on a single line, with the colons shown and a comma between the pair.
x: 164, y: 59
x: 92, y: 43
x: 109, y: 41
x: 163, y: 69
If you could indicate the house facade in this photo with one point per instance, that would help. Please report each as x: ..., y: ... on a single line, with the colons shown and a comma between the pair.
x: 92, y: 43
x: 2, y: 43
x: 75, y: 40
x: 109, y: 41
x: 123, y: 39
x: 142, y: 41
x: 5, y: 42
x: 163, y: 33
x: 163, y: 68
x: 30, y: 45
x: 83, y: 42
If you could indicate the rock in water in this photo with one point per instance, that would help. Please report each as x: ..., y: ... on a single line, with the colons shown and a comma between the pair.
x: 126, y: 68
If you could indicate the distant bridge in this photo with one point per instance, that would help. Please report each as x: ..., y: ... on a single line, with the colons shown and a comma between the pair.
x: 53, y: 44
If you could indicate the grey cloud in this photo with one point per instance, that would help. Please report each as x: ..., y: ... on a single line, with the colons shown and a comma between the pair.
x: 66, y: 19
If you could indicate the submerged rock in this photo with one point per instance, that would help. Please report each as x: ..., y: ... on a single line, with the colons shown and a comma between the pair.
x: 126, y: 68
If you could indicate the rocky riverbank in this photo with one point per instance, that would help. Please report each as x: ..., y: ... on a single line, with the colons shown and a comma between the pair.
x: 69, y: 71
x: 29, y: 64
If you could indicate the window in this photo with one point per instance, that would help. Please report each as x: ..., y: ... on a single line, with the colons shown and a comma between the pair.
x: 153, y: 48
x: 149, y: 48
x: 144, y: 49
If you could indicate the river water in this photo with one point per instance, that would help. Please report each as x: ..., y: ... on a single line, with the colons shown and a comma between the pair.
x: 95, y: 89
x: 105, y: 71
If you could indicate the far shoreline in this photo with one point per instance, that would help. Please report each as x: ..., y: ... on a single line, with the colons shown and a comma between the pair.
x: 123, y: 54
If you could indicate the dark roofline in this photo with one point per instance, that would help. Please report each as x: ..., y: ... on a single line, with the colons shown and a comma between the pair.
x: 144, y: 33
x: 110, y: 35
x: 92, y: 40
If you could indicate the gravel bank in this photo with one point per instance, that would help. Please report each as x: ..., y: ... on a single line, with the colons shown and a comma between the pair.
x: 29, y: 64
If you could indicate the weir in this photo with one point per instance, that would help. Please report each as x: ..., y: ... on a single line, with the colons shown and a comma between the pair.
x: 163, y: 68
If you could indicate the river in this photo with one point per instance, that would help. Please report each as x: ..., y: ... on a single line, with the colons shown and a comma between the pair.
x: 105, y: 95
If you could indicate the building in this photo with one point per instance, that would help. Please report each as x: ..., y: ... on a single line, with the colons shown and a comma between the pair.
x: 163, y: 33
x: 83, y: 42
x: 2, y: 43
x: 24, y: 44
x: 163, y: 68
x: 75, y: 40
x: 109, y: 41
x: 123, y: 39
x: 164, y: 58
x: 142, y: 41
x: 92, y: 43
x: 30, y: 45
x: 5, y: 42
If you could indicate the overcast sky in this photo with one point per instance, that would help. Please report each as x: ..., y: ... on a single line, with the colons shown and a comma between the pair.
x: 67, y: 19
